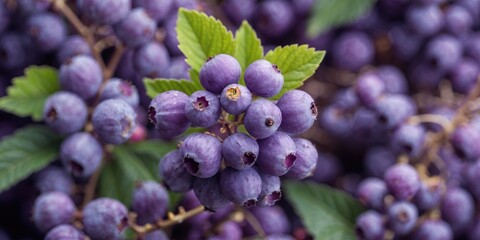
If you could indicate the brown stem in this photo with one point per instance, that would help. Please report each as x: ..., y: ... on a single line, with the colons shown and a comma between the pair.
x: 252, y: 220
x: 89, y: 191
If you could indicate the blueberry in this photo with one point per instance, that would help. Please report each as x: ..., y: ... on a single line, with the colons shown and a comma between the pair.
x: 433, y: 230
x: 167, y: 113
x: 174, y: 173
x: 81, y: 75
x: 263, y: 78
x: 65, y: 112
x: 81, y: 154
x: 105, y: 218
x: 457, y: 207
x: 393, y: 79
x: 171, y: 40
x: 64, y: 231
x: 114, y: 121
x: 273, y: 220
x: 444, y: 51
x: 402, y: 181
x: 275, y: 18
x: 271, y: 192
x: 235, y: 99
x: 241, y: 186
x: 178, y: 68
x: 5, y: 16
x: 151, y: 60
x: 371, y: 192
x: 209, y: 193
x: 369, y: 87
x: 228, y: 231
x: 306, y: 162
x: 472, y: 43
x: 156, y: 9
x: 104, y: 11
x: 465, y: 141
x: 402, y: 217
x: 394, y: 109
x: 458, y: 20
x: 428, y: 196
x: 405, y: 43
x: 203, y: 109
x: 71, y: 47
x: 377, y: 160
x: 218, y: 72
x: 238, y: 10
x: 262, y: 119
x: 328, y: 168
x: 370, y: 225
x: 54, y: 179
x: 277, y: 154
x: 202, y: 154
x: 299, y: 111
x: 463, y: 75
x: 136, y: 29
x: 156, y: 235
x: 52, y: 209
x: 14, y: 51
x: 150, y: 202
x: 48, y: 31
x: 29, y: 7
x: 424, y: 76
x: 353, y: 50
x: 117, y: 88
x: 240, y: 151
x: 408, y: 139
x: 424, y: 20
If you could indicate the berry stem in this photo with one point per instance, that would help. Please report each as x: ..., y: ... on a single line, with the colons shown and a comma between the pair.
x: 89, y: 190
x: 252, y: 220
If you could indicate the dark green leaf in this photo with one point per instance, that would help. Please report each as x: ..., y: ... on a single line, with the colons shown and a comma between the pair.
x: 328, y: 14
x: 159, y: 85
x: 327, y: 213
x: 27, y: 95
x: 26, y: 151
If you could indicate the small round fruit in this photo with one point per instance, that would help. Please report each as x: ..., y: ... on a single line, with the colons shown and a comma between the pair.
x: 218, y: 72
x: 263, y: 78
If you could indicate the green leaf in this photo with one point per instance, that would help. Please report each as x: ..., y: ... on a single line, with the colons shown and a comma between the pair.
x: 327, y: 213
x: 26, y: 96
x: 160, y: 85
x: 328, y: 14
x: 297, y: 64
x: 26, y: 151
x: 201, y: 36
x: 249, y: 47
x: 131, y: 163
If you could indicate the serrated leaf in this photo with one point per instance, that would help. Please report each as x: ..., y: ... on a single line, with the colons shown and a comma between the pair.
x: 249, y: 47
x: 27, y: 95
x: 159, y: 85
x: 327, y: 213
x: 328, y: 14
x: 131, y: 163
x: 26, y: 151
x: 201, y: 36
x: 297, y: 64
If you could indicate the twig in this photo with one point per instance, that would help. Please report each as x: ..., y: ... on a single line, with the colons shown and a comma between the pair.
x: 252, y: 220
x: 89, y: 191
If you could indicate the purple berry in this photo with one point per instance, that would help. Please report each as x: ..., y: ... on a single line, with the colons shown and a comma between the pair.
x: 174, y: 173
x: 457, y: 207
x: 277, y: 154
x: 29, y: 7
x: 433, y: 230
x: 402, y: 181
x: 104, y: 12
x: 273, y: 220
x: 275, y: 18
x: 151, y: 60
x: 218, y: 72
x: 444, y: 51
x: 65, y: 112
x: 393, y: 79
x: 228, y: 231
x: 114, y: 121
x: 202, y: 154
x: 427, y: 197
x: 472, y: 44
x: 424, y: 20
x: 240, y: 151
x: 54, y: 179
x: 408, y: 139
x: 209, y: 193
x: 262, y: 119
x: 378, y: 160
x: 156, y: 9
x: 370, y: 225
x: 458, y: 20
x: 52, y: 209
x: 241, y: 186
x: 167, y: 113
x: 81, y: 154
x: 81, y: 75
x: 369, y: 87
x: 48, y: 31
x: 307, y: 156
x: 239, y: 10
x: 371, y: 192
x: 235, y: 99
x: 463, y: 75
x: 402, y: 217
x: 465, y: 141
x: 64, y: 231
x: 271, y: 192
x: 353, y: 50
x: 392, y: 109
x: 136, y: 29
x: 71, y: 47
x: 263, y: 78
x: 105, y: 218
x: 14, y: 51
x: 406, y: 44
x: 150, y: 202
x: 117, y: 88
x: 299, y: 111
x: 156, y: 235
x: 178, y: 68
x: 203, y: 109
